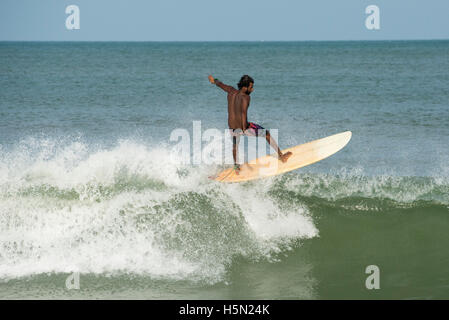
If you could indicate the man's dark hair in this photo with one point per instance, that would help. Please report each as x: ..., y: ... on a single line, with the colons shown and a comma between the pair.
x: 245, y: 81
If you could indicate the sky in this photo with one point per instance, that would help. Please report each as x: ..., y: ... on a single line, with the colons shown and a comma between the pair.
x: 224, y: 20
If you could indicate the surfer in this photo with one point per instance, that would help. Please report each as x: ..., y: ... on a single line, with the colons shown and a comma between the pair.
x: 238, y: 104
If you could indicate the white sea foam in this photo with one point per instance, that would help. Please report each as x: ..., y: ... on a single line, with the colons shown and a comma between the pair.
x: 129, y: 209
x: 349, y: 184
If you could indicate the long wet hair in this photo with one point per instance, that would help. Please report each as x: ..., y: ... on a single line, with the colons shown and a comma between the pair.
x: 245, y: 81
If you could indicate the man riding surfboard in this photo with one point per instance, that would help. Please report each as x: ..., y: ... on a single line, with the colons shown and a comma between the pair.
x: 238, y: 104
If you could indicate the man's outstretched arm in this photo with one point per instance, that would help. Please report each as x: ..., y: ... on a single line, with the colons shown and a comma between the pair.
x: 220, y: 84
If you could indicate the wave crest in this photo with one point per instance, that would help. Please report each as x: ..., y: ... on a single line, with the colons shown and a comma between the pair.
x: 130, y: 209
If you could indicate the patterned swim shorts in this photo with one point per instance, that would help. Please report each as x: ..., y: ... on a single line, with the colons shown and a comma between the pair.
x: 253, y: 130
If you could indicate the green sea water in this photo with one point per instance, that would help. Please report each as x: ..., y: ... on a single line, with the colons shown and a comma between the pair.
x: 88, y: 184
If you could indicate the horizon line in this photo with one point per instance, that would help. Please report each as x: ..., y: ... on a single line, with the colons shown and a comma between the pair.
x: 168, y: 41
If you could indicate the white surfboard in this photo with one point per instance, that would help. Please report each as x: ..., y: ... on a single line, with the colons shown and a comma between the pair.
x: 302, y: 155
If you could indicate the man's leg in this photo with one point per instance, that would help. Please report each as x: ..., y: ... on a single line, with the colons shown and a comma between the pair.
x: 235, y: 144
x: 282, y: 156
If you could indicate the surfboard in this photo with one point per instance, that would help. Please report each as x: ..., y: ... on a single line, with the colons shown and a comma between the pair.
x: 302, y: 155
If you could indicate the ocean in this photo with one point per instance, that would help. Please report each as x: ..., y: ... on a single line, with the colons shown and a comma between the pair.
x: 89, y: 190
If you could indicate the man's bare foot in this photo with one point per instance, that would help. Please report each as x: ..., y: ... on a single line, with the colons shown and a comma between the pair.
x: 285, y: 156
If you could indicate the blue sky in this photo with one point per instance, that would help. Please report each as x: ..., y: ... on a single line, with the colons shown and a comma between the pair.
x: 230, y: 20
